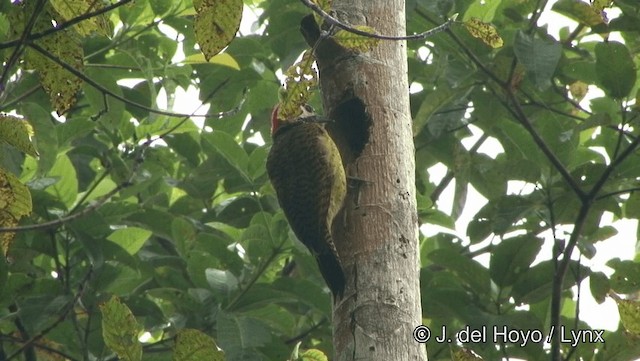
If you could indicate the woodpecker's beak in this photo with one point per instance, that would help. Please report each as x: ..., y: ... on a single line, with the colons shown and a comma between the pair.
x: 319, y: 119
x: 310, y: 116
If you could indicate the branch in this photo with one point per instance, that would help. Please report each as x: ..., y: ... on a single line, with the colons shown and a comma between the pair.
x: 69, y: 218
x: 561, y: 272
x: 20, y: 97
x: 557, y: 164
x: 450, y: 175
x: 65, y: 311
x: 274, y: 253
x: 121, y: 186
x: 65, y: 25
x: 615, y: 193
x: 20, y: 43
x: 305, y: 333
x: 472, y: 56
x: 333, y: 21
x: 38, y: 345
x: 106, y: 91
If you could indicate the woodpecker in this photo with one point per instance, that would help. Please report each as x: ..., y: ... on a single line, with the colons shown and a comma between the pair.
x: 306, y: 171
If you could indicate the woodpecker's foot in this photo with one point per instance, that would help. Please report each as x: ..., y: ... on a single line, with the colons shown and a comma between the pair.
x: 356, y: 184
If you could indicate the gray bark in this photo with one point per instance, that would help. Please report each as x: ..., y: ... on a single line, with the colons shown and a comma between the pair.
x: 377, y: 238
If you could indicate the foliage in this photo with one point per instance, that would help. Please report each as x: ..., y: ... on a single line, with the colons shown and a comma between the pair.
x: 167, y: 206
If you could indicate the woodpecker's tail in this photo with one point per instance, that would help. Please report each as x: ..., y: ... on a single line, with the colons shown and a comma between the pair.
x: 332, y: 273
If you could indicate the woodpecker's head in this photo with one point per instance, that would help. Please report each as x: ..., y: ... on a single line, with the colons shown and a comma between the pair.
x: 306, y: 113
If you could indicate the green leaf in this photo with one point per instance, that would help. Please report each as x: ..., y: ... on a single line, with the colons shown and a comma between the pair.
x: 220, y: 59
x: 511, y: 258
x: 228, y: 148
x: 111, y: 108
x: 602, y: 234
x: 216, y: 24
x: 615, y: 69
x: 599, y: 285
x: 536, y: 283
x: 468, y: 270
x: 237, y: 333
x: 432, y: 103
x: 193, y: 345
x: 66, y: 188
x: 257, y: 161
x: 161, y: 7
x: 72, y: 129
x: 275, y: 316
x: 120, y: 330
x: 131, y: 239
x: 221, y: 281
x: 184, y: 235
x: 626, y: 278
x: 579, y: 11
x: 483, y: 10
x: 539, y: 57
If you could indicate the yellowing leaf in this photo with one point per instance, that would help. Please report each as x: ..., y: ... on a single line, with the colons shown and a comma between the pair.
x: 313, y: 355
x: 300, y: 79
x: 578, y: 90
x: 220, y: 59
x: 462, y: 354
x: 216, y: 24
x: 485, y: 32
x: 324, y: 5
x: 64, y: 45
x: 599, y: 5
x: 193, y: 345
x: 70, y: 9
x: 6, y: 238
x: 357, y: 42
x: 15, y: 203
x: 59, y: 83
x: 629, y: 315
x: 17, y: 133
x: 120, y: 330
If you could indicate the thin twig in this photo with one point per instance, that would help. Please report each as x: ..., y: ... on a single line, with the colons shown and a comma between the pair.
x: 450, y: 174
x: 63, y: 315
x: 20, y: 44
x: 557, y: 164
x: 123, y: 99
x: 20, y: 97
x: 69, y: 218
x: 615, y: 193
x: 65, y: 25
x: 38, y: 345
x: 305, y: 333
x: 333, y: 21
x: 587, y: 201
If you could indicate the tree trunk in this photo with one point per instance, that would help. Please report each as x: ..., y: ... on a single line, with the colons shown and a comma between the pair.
x: 368, y: 96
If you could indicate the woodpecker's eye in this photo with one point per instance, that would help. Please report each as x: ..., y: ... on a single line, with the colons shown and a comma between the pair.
x: 308, y: 108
